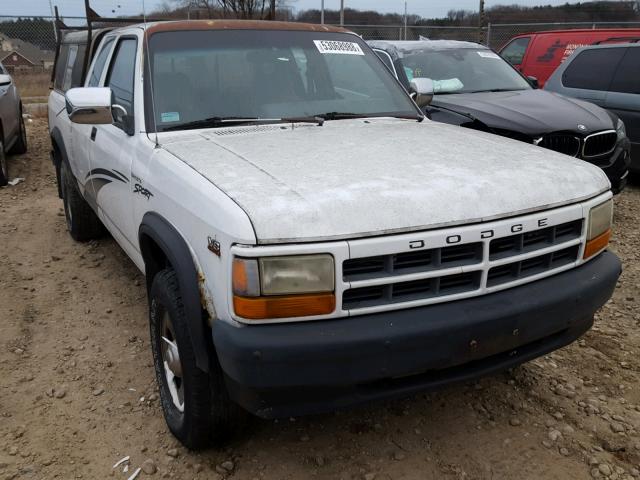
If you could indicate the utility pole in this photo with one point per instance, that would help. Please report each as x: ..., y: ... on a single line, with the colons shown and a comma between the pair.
x: 53, y: 22
x: 481, y: 21
x: 341, y: 13
x: 405, y: 20
x: 322, y: 12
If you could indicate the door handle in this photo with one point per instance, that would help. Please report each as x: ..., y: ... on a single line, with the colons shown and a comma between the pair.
x: 94, y: 130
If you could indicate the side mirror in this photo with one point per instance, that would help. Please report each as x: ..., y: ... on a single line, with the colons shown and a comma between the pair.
x: 533, y: 81
x: 421, y: 90
x: 5, y: 79
x: 89, y: 105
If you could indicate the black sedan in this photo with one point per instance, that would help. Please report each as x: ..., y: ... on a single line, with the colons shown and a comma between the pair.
x: 474, y: 87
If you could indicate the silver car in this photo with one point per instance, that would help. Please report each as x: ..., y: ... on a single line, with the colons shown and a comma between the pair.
x: 13, y: 137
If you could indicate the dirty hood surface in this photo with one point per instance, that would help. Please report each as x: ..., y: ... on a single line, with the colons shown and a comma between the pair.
x: 354, y: 178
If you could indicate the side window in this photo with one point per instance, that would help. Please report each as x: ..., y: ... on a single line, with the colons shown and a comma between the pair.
x: 76, y: 73
x: 68, y: 71
x: 580, y: 72
x: 98, y: 64
x: 61, y: 66
x: 627, y: 77
x: 120, y: 77
x: 514, y: 52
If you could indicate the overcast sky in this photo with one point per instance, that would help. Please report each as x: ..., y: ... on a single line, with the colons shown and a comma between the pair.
x: 425, y: 8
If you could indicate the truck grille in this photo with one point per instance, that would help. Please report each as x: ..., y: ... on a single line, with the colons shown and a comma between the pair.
x: 407, y: 291
x: 599, y: 144
x: 459, y: 269
x: 561, y: 143
x: 409, y: 262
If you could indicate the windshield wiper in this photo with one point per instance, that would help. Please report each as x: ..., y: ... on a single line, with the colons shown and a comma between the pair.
x: 310, y: 119
x: 494, y: 90
x: 344, y: 115
x: 340, y: 115
x: 215, y: 122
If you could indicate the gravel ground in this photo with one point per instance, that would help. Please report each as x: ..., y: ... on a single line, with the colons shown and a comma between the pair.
x: 77, y: 391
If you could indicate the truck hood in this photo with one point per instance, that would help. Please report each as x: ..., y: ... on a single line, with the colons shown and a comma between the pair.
x: 356, y: 178
x: 532, y: 112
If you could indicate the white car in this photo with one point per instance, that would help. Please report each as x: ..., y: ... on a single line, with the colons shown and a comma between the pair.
x: 309, y: 240
x: 13, y: 136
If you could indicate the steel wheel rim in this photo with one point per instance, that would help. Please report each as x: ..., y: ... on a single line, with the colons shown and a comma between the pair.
x: 171, y: 363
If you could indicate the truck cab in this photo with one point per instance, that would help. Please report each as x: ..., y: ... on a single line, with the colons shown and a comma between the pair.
x: 300, y: 253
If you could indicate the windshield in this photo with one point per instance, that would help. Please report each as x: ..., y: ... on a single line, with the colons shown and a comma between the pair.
x: 463, y: 70
x: 213, y: 75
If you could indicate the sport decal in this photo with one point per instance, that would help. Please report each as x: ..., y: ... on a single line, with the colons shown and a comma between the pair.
x: 137, y: 188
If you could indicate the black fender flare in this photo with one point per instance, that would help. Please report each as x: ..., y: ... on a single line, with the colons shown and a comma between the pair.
x: 175, y: 248
x: 58, y: 141
x: 56, y: 136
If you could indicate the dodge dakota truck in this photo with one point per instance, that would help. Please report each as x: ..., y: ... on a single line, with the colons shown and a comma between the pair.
x: 309, y: 240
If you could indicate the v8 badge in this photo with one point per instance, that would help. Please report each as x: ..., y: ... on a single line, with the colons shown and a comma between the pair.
x: 213, y: 245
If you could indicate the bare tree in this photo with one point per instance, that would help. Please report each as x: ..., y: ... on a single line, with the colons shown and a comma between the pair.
x: 236, y: 8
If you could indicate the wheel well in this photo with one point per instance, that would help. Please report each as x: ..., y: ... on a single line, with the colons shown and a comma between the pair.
x: 57, y: 153
x: 162, y: 246
x: 154, y: 258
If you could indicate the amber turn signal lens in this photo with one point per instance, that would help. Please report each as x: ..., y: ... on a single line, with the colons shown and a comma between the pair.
x: 263, y: 308
x: 597, y: 244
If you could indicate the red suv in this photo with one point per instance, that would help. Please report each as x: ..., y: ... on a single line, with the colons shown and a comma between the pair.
x: 539, y: 54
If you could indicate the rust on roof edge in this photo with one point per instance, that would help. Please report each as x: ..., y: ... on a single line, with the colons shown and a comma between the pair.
x: 181, y: 25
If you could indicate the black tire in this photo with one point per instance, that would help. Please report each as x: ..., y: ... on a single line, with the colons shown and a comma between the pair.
x: 4, y: 169
x: 208, y: 415
x: 82, y: 222
x: 20, y: 146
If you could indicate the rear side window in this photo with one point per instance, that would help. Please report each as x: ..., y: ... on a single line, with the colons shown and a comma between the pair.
x: 68, y: 71
x: 61, y: 65
x: 627, y: 77
x: 514, y: 52
x: 593, y: 69
x: 98, y: 65
x: 121, y: 74
x: 76, y: 72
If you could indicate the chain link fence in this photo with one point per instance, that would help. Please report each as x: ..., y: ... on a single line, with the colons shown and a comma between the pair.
x: 399, y: 32
x: 30, y: 42
x: 494, y: 35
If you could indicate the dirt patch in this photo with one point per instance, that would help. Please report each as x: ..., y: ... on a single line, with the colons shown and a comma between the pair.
x: 78, y: 393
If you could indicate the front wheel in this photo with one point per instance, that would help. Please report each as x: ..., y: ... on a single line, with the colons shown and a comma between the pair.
x: 195, y: 404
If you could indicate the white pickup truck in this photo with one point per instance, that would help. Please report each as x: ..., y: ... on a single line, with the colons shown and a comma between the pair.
x: 309, y: 240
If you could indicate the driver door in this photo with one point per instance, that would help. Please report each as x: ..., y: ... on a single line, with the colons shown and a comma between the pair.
x: 111, y: 146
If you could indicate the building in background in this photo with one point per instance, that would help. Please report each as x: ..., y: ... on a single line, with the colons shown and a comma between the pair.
x: 18, y: 55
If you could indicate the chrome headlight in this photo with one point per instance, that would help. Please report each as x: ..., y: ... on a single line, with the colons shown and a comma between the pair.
x: 277, y: 287
x: 621, y: 130
x: 599, y: 228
